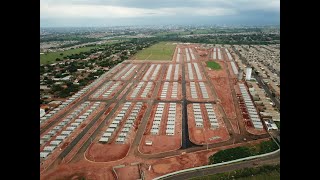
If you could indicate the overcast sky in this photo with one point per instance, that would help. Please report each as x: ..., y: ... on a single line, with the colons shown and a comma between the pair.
x: 65, y: 13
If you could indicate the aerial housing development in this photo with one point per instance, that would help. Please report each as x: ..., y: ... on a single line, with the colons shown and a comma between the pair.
x: 167, y: 107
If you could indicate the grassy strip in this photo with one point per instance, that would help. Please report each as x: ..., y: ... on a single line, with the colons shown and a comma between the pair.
x: 242, y: 152
x: 213, y: 65
x: 258, y: 173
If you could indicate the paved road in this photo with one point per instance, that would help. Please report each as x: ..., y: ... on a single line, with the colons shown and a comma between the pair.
x: 271, y: 159
x: 266, y: 88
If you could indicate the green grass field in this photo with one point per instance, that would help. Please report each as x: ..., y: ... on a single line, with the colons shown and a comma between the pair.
x: 213, y: 65
x: 159, y: 51
x: 51, y: 57
x: 267, y: 172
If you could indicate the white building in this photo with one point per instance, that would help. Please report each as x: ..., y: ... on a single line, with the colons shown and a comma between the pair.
x: 42, y: 112
x: 248, y: 74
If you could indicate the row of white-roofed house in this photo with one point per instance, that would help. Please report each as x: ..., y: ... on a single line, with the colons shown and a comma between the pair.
x: 203, y: 90
x: 115, y: 123
x: 178, y: 55
x: 197, y: 115
x: 137, y: 90
x: 192, y: 55
x: 193, y: 90
x: 146, y: 76
x: 219, y: 54
x: 101, y: 90
x: 71, y: 99
x: 146, y: 90
x: 65, y: 128
x: 174, y: 92
x: 169, y: 72
x: 214, y: 55
x: 176, y: 72
x: 190, y: 71
x: 125, y: 69
x: 129, y: 123
x: 234, y: 67
x: 254, y: 117
x: 171, y: 119
x: 229, y: 55
x: 157, y: 119
x: 110, y: 91
x: 164, y: 90
x: 212, y: 116
x: 155, y: 73
x: 128, y: 72
x: 197, y: 71
x: 187, y: 54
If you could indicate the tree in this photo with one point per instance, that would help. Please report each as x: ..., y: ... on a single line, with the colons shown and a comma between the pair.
x: 58, y: 59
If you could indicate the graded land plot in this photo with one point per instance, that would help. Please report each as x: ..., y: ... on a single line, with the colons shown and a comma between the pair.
x: 193, y: 72
x: 198, y: 91
x: 160, y: 51
x: 127, y: 71
x: 114, y: 140
x: 152, y: 73
x: 163, y: 131
x: 107, y: 90
x: 206, y: 125
x: 141, y: 90
x: 170, y: 91
x: 173, y: 73
x: 250, y: 117
x: 221, y: 83
x: 129, y: 172
x: 56, y: 138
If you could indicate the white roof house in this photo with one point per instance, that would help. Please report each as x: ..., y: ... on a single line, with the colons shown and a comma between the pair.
x: 44, y: 154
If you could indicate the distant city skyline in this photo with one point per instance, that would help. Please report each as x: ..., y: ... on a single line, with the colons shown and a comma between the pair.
x: 78, y: 13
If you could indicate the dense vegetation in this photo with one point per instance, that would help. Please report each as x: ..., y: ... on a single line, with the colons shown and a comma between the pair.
x: 259, y: 173
x: 242, y: 152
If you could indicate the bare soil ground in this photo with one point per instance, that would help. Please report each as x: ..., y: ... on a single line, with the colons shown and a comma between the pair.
x: 130, y: 172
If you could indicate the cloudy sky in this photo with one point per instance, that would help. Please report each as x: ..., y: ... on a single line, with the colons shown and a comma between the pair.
x: 65, y: 13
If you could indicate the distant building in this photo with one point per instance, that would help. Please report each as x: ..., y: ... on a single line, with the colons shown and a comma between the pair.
x: 42, y: 112
x: 248, y: 74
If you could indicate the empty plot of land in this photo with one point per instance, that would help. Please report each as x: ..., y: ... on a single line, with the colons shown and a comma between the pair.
x: 159, y: 51
x: 163, y: 131
x: 206, y: 124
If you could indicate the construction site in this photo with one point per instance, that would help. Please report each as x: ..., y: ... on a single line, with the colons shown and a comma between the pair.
x: 146, y: 118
